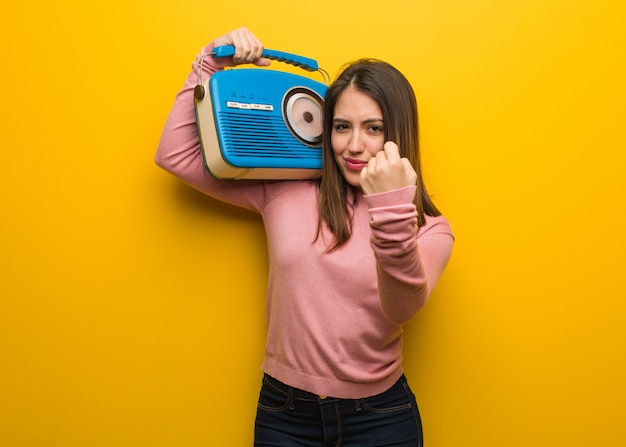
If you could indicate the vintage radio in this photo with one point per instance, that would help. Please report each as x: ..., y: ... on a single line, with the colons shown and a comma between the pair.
x: 257, y: 123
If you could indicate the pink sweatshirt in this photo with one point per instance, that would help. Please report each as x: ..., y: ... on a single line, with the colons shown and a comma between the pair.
x: 334, y: 319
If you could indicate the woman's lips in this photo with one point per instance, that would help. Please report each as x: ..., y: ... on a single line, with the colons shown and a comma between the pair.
x: 355, y: 165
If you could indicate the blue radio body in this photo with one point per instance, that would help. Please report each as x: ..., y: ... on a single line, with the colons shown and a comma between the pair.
x: 259, y: 123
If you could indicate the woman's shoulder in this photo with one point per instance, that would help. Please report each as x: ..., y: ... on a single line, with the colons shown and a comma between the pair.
x: 289, y: 189
x: 436, y: 225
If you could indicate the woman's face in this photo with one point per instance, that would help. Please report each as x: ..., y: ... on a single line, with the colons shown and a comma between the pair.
x: 357, y: 133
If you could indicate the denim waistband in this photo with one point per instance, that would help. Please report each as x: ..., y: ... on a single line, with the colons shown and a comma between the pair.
x: 296, y: 393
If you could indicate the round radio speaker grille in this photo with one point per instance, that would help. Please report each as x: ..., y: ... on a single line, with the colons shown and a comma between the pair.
x: 302, y: 109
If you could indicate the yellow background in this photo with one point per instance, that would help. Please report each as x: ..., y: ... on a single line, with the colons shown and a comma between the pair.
x: 132, y: 311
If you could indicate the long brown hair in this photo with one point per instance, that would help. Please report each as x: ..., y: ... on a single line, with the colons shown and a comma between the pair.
x: 396, y: 99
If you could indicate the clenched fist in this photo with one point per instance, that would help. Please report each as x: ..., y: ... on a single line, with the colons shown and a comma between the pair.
x: 387, y: 171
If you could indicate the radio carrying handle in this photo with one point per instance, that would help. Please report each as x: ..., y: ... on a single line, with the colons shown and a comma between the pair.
x: 293, y: 59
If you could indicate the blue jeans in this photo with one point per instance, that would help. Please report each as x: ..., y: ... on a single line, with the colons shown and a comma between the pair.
x: 289, y: 417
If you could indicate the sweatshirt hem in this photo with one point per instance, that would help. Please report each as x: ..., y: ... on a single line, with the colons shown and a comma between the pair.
x: 337, y: 388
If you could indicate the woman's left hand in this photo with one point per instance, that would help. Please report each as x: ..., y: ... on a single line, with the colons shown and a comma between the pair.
x: 387, y: 171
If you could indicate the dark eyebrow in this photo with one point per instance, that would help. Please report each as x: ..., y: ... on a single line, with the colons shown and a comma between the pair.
x: 367, y: 121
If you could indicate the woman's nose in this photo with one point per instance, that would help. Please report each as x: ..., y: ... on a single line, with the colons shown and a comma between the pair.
x: 356, y: 143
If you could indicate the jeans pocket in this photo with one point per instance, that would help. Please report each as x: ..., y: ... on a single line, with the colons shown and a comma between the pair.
x: 397, y: 398
x: 271, y: 398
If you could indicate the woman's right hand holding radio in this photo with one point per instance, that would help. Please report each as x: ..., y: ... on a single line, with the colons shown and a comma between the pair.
x: 248, y: 48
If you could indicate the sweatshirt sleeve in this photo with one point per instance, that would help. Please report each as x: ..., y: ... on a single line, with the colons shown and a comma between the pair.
x: 179, y: 151
x: 410, y: 259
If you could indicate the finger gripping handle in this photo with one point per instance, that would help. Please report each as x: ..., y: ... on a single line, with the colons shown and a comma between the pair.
x: 293, y: 59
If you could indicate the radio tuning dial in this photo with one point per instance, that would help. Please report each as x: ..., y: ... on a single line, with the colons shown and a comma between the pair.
x: 303, y: 115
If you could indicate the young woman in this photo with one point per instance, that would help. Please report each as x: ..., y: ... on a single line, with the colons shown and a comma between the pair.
x: 353, y: 255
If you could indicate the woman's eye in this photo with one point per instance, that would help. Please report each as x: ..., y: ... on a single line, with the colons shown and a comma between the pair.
x: 340, y: 127
x: 376, y: 129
